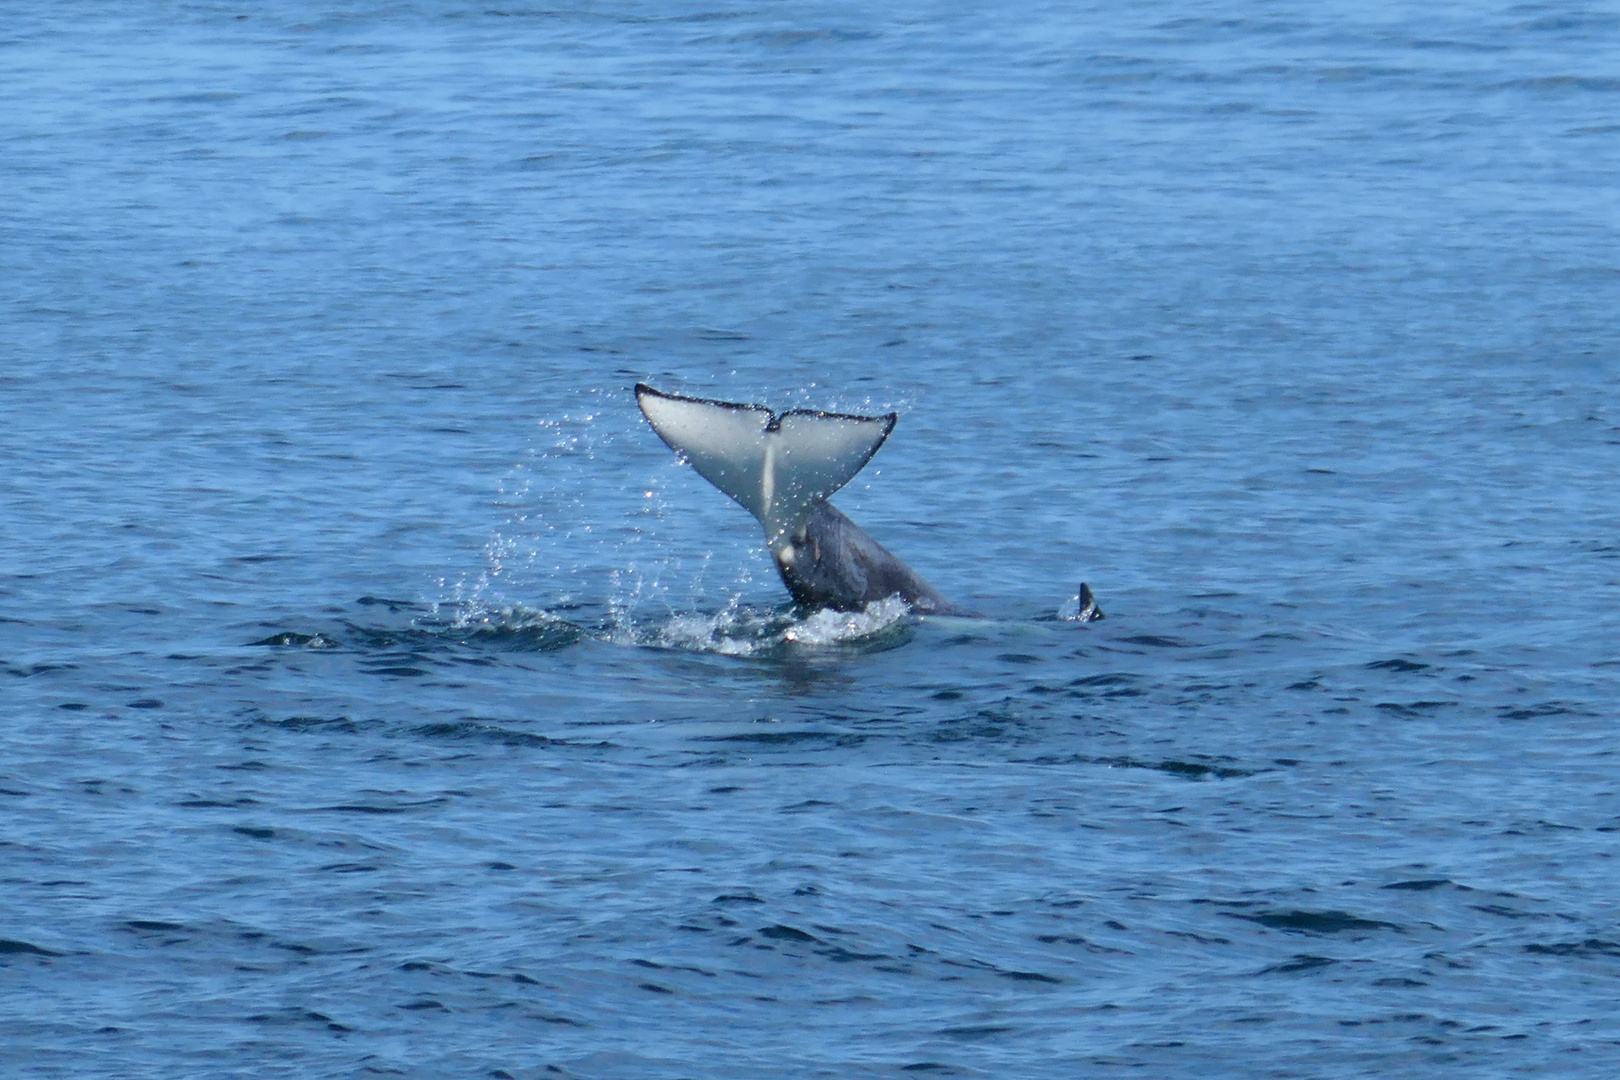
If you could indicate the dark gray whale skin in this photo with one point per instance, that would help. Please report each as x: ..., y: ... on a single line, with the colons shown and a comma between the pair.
x: 830, y: 562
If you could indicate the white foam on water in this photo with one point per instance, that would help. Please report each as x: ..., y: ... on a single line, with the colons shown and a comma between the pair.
x: 832, y: 627
x: 474, y: 617
x: 722, y: 634
x: 741, y: 631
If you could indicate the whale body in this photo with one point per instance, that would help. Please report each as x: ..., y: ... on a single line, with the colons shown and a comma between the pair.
x: 781, y: 468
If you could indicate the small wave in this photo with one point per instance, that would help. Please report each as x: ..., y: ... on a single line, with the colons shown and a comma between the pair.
x: 513, y: 629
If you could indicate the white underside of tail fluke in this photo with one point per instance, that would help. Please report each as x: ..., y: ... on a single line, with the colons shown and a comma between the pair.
x: 778, y: 468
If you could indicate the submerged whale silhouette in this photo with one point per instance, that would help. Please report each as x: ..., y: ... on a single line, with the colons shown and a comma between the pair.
x: 782, y: 468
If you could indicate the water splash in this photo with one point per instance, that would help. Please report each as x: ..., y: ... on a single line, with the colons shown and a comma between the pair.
x: 570, y: 537
x: 740, y: 629
x: 743, y: 631
x: 588, y: 536
x: 1082, y: 607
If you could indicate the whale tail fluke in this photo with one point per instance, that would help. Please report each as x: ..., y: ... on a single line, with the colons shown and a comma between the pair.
x: 777, y: 466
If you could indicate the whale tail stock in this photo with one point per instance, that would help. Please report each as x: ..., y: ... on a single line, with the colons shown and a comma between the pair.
x: 779, y: 467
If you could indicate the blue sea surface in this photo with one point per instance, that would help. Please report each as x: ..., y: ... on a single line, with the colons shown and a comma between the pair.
x: 380, y: 696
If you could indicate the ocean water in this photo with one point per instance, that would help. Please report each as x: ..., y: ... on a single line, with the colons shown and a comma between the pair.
x: 380, y: 697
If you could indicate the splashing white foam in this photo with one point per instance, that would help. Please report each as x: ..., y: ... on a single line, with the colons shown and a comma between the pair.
x: 739, y: 631
x: 712, y: 633
x: 830, y: 627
